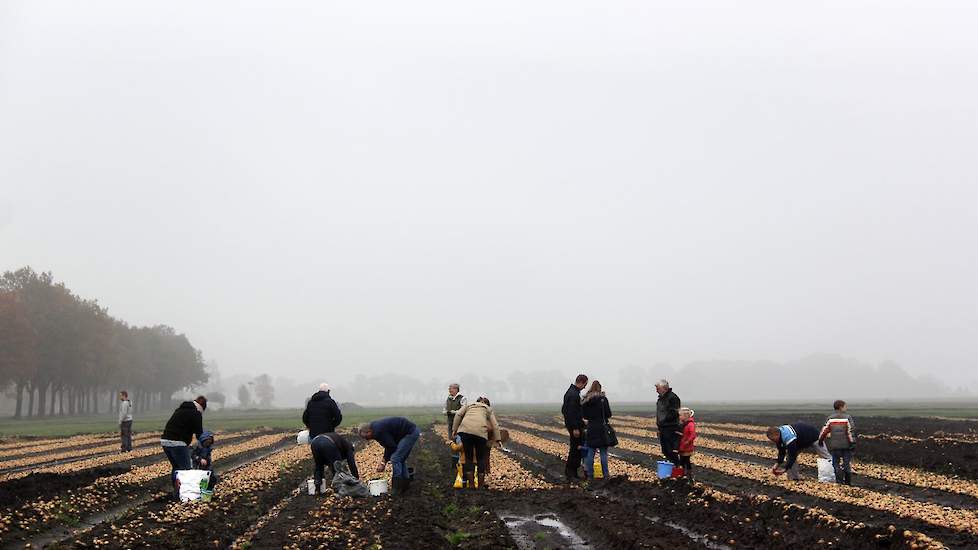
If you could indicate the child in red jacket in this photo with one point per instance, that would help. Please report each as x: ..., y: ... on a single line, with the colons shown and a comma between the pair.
x: 686, y: 446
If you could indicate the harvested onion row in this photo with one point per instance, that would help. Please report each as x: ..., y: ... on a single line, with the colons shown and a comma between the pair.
x: 641, y: 473
x: 104, y: 491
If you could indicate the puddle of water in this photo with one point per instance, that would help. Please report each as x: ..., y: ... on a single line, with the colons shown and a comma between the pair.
x: 693, y: 535
x: 528, y: 531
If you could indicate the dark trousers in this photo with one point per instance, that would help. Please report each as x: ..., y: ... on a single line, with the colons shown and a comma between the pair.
x: 179, y: 458
x: 475, y: 447
x: 324, y: 453
x: 125, y: 432
x: 573, y: 455
x: 842, y: 462
x: 669, y: 442
x: 451, y: 422
x: 687, y: 465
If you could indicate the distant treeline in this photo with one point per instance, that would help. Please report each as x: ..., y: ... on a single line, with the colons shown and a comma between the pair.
x: 61, y: 354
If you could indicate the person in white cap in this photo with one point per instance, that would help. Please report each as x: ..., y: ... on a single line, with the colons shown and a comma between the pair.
x: 322, y: 415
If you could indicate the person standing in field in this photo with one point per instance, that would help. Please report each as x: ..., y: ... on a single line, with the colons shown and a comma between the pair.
x: 790, y: 440
x: 667, y: 420
x: 397, y: 435
x: 125, y: 421
x: 841, y: 436
x: 322, y: 414
x: 477, y: 426
x: 184, y: 424
x: 574, y: 422
x: 453, y: 403
x: 596, y: 411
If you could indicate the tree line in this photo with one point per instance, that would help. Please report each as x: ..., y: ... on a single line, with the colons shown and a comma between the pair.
x: 62, y: 354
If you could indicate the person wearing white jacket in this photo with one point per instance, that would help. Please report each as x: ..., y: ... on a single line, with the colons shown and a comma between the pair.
x: 125, y: 421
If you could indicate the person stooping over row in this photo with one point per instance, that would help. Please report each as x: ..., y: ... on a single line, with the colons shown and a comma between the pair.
x: 477, y: 426
x: 322, y: 415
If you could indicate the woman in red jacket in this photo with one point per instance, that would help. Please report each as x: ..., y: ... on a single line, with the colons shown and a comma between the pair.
x: 686, y: 446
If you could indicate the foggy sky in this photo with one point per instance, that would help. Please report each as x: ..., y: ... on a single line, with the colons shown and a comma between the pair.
x: 313, y: 189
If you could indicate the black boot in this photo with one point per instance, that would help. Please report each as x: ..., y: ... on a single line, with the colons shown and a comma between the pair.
x: 468, y: 476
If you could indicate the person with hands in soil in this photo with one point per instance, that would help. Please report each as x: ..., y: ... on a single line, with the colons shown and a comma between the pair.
x: 186, y: 422
x: 327, y: 449
x: 476, y: 425
x: 574, y: 422
x: 667, y: 420
x: 792, y: 439
x: 201, y: 456
x: 397, y: 435
x: 596, y: 411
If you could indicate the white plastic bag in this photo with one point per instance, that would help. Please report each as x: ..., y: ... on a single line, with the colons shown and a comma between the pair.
x: 189, y: 481
x: 826, y: 472
x: 302, y: 438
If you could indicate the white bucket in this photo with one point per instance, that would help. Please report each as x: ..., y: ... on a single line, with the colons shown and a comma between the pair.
x: 377, y: 487
x: 302, y: 438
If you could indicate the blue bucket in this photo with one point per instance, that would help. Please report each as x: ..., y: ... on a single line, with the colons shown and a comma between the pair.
x: 663, y: 469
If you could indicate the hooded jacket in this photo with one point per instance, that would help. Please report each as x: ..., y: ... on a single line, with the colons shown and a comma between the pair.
x: 477, y: 419
x: 596, y: 411
x: 185, y: 423
x: 322, y: 415
x: 667, y: 410
x: 573, y: 415
x: 203, y: 452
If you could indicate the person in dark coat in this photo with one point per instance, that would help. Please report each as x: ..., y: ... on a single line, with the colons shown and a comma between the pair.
x: 792, y: 439
x: 596, y: 411
x: 574, y: 422
x: 328, y: 448
x: 184, y: 424
x: 667, y: 421
x: 322, y: 414
x: 397, y: 435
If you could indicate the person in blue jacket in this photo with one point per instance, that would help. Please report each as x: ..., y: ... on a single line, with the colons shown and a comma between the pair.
x: 792, y: 439
x: 201, y: 456
x: 397, y: 435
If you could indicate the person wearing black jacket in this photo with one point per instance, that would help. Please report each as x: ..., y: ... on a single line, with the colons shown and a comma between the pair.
x: 327, y: 448
x: 322, y: 415
x: 184, y: 424
x: 596, y: 411
x: 574, y: 422
x: 667, y: 421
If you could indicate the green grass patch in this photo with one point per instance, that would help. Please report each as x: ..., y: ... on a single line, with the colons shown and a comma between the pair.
x: 458, y: 537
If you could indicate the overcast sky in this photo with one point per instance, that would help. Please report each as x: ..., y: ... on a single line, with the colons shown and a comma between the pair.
x: 433, y: 188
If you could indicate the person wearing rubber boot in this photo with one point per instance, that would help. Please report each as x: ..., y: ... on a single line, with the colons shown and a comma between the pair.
x: 473, y: 424
x: 397, y: 435
x: 574, y: 422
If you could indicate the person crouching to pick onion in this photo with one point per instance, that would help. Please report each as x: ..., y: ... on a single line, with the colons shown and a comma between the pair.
x: 792, y: 439
x: 397, y: 435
